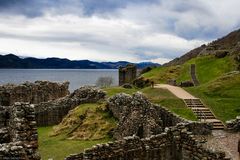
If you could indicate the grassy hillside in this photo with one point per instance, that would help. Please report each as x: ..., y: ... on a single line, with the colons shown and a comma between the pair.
x: 207, y: 68
x: 86, y: 122
x: 222, y: 95
x: 219, y: 91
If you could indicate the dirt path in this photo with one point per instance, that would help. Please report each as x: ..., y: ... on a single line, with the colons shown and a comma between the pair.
x: 177, y: 91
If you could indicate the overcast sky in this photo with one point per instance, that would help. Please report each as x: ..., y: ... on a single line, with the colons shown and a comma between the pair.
x: 113, y: 30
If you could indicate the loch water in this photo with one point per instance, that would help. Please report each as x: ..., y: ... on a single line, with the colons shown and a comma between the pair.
x: 76, y: 77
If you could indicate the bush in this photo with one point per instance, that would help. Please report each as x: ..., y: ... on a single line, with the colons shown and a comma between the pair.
x: 104, y: 81
x: 141, y: 82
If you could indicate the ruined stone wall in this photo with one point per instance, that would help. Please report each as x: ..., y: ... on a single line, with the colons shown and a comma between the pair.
x: 138, y: 116
x: 39, y: 91
x: 234, y: 125
x: 18, y: 132
x: 127, y: 74
x: 176, y: 143
x: 52, y: 112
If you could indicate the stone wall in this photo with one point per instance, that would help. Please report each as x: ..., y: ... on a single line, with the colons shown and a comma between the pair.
x: 176, y: 143
x: 18, y: 132
x: 234, y: 125
x: 137, y: 116
x: 52, y: 112
x: 39, y: 91
x: 127, y: 74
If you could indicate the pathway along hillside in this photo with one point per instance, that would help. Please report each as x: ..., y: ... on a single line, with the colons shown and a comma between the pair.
x: 202, y: 112
x: 220, y: 139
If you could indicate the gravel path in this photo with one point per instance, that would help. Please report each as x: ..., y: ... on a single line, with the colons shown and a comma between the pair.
x: 221, y: 140
x: 177, y: 91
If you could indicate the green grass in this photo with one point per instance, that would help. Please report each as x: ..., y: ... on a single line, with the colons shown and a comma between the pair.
x: 115, y: 90
x: 163, y: 74
x: 221, y: 95
x: 170, y: 101
x: 89, y: 121
x: 209, y: 68
x: 58, y: 147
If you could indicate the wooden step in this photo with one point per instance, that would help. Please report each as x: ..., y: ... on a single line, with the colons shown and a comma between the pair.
x: 205, y: 117
x: 203, y: 113
x: 218, y: 127
x: 196, y: 106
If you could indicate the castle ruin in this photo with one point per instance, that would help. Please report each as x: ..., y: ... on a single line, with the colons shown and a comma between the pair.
x: 127, y: 74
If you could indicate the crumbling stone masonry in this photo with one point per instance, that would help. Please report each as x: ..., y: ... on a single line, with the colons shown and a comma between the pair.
x: 18, y: 132
x: 176, y: 143
x: 137, y: 116
x: 234, y: 125
x: 127, y: 74
x: 52, y: 112
x: 39, y: 91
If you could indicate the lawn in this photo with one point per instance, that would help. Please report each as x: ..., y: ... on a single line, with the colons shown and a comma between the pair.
x: 57, y: 147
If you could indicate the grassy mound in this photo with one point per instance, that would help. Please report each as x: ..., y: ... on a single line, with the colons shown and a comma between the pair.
x: 86, y: 122
x: 58, y: 147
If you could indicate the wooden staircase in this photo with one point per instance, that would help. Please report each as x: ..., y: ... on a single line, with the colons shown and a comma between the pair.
x: 203, y: 113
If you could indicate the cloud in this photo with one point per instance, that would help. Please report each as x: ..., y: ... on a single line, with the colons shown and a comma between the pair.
x: 110, y: 30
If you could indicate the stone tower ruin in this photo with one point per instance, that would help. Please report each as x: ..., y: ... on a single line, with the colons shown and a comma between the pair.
x: 127, y: 74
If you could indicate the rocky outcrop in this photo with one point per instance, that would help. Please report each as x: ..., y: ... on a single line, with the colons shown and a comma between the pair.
x: 18, y: 133
x: 37, y: 92
x: 174, y: 143
x: 234, y: 125
x: 52, y: 112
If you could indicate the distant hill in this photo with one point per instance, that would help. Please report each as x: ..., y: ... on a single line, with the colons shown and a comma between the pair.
x: 13, y: 61
x: 230, y: 44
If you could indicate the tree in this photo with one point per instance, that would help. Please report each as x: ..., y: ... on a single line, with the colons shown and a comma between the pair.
x: 104, y: 81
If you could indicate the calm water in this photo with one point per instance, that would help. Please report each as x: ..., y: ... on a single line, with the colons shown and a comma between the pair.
x: 76, y: 77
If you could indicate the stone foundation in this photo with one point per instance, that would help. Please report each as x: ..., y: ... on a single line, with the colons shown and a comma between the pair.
x: 52, y: 112
x: 39, y: 91
x: 176, y: 143
x: 18, y: 132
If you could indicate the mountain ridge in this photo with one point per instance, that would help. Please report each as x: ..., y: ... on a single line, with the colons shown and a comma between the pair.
x: 230, y: 44
x: 11, y: 61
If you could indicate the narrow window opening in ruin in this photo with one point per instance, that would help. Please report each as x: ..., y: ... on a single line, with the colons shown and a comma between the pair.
x: 140, y: 132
